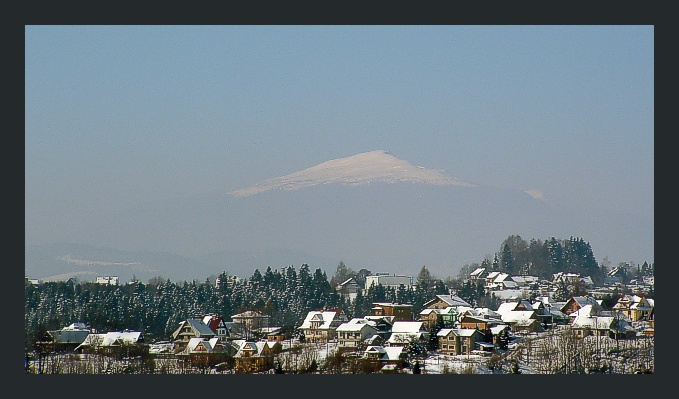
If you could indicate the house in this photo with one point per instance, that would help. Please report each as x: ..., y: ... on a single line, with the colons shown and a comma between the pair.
x: 352, y: 334
x: 577, y: 302
x: 321, y: 325
x: 274, y: 334
x: 386, y: 355
x: 520, y: 316
x: 444, y: 301
x: 491, y: 276
x: 190, y: 328
x: 67, y: 338
x: 217, y: 325
x: 120, y: 343
x: 478, y: 274
x: 526, y: 281
x: 254, y: 357
x: 634, y: 307
x: 388, y: 281
x: 252, y: 319
x: 203, y: 352
x: 430, y: 317
x: 485, y: 313
x: 515, y: 304
x: 588, y: 322
x: 502, y: 281
x: 497, y: 331
x: 349, y: 288
x: 476, y: 322
x: 107, y: 280
x: 400, y: 311
x: 444, y: 307
x: 459, y: 341
x: 383, y: 324
x: 405, y: 332
x: 615, y: 275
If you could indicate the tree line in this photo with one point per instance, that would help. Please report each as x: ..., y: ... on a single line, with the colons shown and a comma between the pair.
x: 157, y: 308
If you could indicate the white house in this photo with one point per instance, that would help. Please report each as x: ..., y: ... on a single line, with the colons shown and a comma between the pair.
x: 354, y: 332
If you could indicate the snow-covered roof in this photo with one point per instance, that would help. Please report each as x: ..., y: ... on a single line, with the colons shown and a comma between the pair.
x: 270, y: 330
x: 507, y: 294
x: 525, y: 279
x: 112, y: 338
x: 516, y: 316
x: 391, y: 304
x: 77, y: 326
x: 72, y: 336
x: 451, y: 300
x: 498, y: 328
x: 209, y: 344
x: 347, y: 281
x: 460, y: 332
x: 512, y: 305
x: 392, y: 352
x: 593, y: 322
x: 407, y: 327
x: 326, y: 318
x: 492, y: 275
x: 248, y: 314
x: 502, y: 277
x: 129, y: 337
x: 357, y: 326
x: 478, y: 271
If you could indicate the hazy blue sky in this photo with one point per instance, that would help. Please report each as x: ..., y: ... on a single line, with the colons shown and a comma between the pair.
x: 117, y: 115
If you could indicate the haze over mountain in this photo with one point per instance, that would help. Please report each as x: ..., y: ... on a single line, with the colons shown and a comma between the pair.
x: 371, y: 210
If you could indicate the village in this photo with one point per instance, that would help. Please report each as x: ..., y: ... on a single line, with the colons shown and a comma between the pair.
x: 528, y: 333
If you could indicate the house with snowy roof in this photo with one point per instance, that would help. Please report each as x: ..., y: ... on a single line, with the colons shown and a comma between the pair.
x: 448, y: 316
x: 400, y: 311
x: 444, y: 301
x: 634, y: 307
x: 491, y: 276
x: 252, y: 319
x: 588, y: 322
x: 459, y: 341
x: 520, y: 316
x: 383, y: 324
x: 526, y: 281
x: 502, y: 281
x: 204, y: 352
x: 478, y: 322
x: 253, y: 357
x: 386, y: 355
x: 577, y: 302
x: 354, y: 333
x: 67, y: 338
x: 497, y: 331
x: 321, y: 325
x: 190, y: 328
x: 349, y: 288
x: 478, y: 274
x: 405, y: 332
x: 217, y: 324
x: 120, y: 343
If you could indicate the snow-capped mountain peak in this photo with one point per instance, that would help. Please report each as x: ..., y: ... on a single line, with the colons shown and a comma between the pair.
x: 363, y: 168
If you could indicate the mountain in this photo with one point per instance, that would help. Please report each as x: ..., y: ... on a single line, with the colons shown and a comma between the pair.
x: 364, y: 168
x: 370, y: 210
